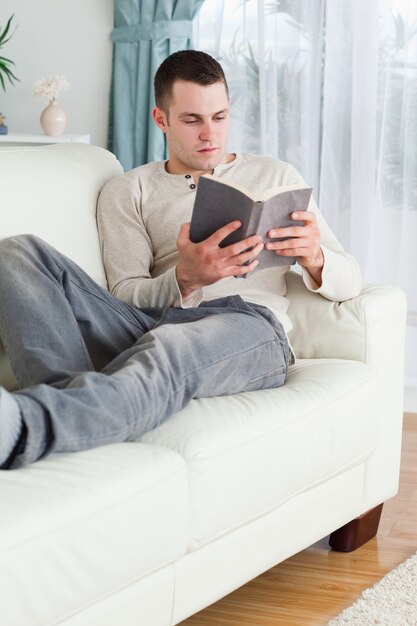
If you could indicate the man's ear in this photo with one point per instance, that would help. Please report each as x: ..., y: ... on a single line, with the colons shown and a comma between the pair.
x: 160, y: 119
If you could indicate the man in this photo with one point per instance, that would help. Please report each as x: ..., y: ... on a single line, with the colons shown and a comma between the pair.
x: 97, y: 367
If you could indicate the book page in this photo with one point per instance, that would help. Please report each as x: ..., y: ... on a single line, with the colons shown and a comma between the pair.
x: 265, y: 195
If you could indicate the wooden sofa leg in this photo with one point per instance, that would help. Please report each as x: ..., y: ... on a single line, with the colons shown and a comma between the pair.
x: 357, y: 532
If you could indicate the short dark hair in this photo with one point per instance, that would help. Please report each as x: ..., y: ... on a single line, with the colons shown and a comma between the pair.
x: 189, y: 65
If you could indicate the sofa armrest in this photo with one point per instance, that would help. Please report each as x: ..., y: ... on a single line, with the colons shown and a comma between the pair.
x: 369, y: 328
x: 366, y: 328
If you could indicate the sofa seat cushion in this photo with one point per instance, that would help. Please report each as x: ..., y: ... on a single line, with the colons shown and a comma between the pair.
x: 82, y: 526
x: 248, y: 453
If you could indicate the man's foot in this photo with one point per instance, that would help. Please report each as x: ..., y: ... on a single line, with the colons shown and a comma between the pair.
x: 11, y: 425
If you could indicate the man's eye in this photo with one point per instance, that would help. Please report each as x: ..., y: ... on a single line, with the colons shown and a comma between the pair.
x: 190, y: 121
x: 218, y: 119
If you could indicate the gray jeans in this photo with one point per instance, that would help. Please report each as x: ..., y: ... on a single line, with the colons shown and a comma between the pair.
x: 94, y: 370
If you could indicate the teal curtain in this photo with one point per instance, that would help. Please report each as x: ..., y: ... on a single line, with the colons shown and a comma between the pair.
x: 145, y: 33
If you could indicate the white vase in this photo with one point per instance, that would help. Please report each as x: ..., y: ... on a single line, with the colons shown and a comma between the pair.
x: 53, y: 119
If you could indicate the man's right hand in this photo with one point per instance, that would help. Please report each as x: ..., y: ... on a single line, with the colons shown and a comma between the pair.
x: 205, y: 263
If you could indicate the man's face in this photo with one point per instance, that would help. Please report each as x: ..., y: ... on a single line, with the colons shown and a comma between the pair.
x: 196, y: 128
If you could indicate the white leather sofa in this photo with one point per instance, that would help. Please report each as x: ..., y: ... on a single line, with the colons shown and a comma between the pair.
x: 148, y: 533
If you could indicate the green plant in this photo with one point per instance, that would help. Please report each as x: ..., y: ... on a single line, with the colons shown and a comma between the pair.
x: 5, y: 70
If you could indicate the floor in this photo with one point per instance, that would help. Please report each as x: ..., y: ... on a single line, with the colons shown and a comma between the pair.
x: 315, y: 585
x: 410, y: 400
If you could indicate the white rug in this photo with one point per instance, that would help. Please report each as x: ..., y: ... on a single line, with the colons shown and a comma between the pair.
x: 391, y: 602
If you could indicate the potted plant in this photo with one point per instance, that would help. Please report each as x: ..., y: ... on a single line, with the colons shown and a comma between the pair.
x: 5, y: 70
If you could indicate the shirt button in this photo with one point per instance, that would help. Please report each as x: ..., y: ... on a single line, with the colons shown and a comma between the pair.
x: 188, y: 176
x: 192, y: 186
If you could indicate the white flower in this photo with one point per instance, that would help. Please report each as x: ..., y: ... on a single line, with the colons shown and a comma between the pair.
x: 50, y: 87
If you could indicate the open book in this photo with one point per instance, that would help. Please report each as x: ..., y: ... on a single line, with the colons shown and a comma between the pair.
x: 219, y: 202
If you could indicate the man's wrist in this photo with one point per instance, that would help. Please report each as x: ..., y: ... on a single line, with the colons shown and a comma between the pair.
x: 318, y: 262
x: 185, y: 286
x: 316, y: 267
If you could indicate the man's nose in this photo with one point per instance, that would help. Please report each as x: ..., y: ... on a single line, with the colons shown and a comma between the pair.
x: 207, y: 131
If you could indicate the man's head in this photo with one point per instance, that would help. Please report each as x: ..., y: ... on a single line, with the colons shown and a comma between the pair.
x: 191, y: 66
x: 192, y: 109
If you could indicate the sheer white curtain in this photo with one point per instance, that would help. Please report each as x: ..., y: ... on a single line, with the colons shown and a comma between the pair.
x: 272, y: 56
x: 331, y: 87
x: 368, y: 181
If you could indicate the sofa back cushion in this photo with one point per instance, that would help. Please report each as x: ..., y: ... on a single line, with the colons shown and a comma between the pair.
x: 51, y: 191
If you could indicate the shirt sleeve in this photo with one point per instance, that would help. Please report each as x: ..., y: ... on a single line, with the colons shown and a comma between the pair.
x: 341, y: 275
x: 127, y: 251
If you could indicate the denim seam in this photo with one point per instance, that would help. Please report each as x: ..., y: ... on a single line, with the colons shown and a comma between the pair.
x: 87, y: 358
x: 226, y: 358
x: 98, y: 297
x: 99, y: 441
x: 271, y: 374
x: 213, y: 363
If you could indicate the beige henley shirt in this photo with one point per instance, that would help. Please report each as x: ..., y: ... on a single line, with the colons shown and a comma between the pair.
x: 139, y: 216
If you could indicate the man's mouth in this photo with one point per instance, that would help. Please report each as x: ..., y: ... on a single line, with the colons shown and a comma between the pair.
x: 207, y: 150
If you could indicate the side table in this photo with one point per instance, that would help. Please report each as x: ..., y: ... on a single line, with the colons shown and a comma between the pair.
x: 32, y: 139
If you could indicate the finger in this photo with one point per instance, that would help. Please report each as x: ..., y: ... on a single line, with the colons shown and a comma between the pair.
x: 304, y: 216
x: 301, y: 243
x: 247, y: 255
x: 240, y: 270
x: 241, y: 246
x: 281, y: 245
x: 293, y: 252
x: 216, y: 238
x: 288, y: 232
x: 310, y: 230
x: 306, y: 252
x: 307, y: 217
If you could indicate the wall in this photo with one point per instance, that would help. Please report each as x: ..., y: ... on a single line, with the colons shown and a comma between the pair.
x: 69, y: 37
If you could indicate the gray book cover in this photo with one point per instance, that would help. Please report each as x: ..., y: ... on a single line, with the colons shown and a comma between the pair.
x: 218, y: 203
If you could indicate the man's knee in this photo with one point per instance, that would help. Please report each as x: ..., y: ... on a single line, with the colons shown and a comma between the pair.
x: 10, y: 245
x: 19, y: 245
x: 17, y: 254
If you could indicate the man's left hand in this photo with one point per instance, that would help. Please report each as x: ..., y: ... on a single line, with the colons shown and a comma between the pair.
x: 304, y: 243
